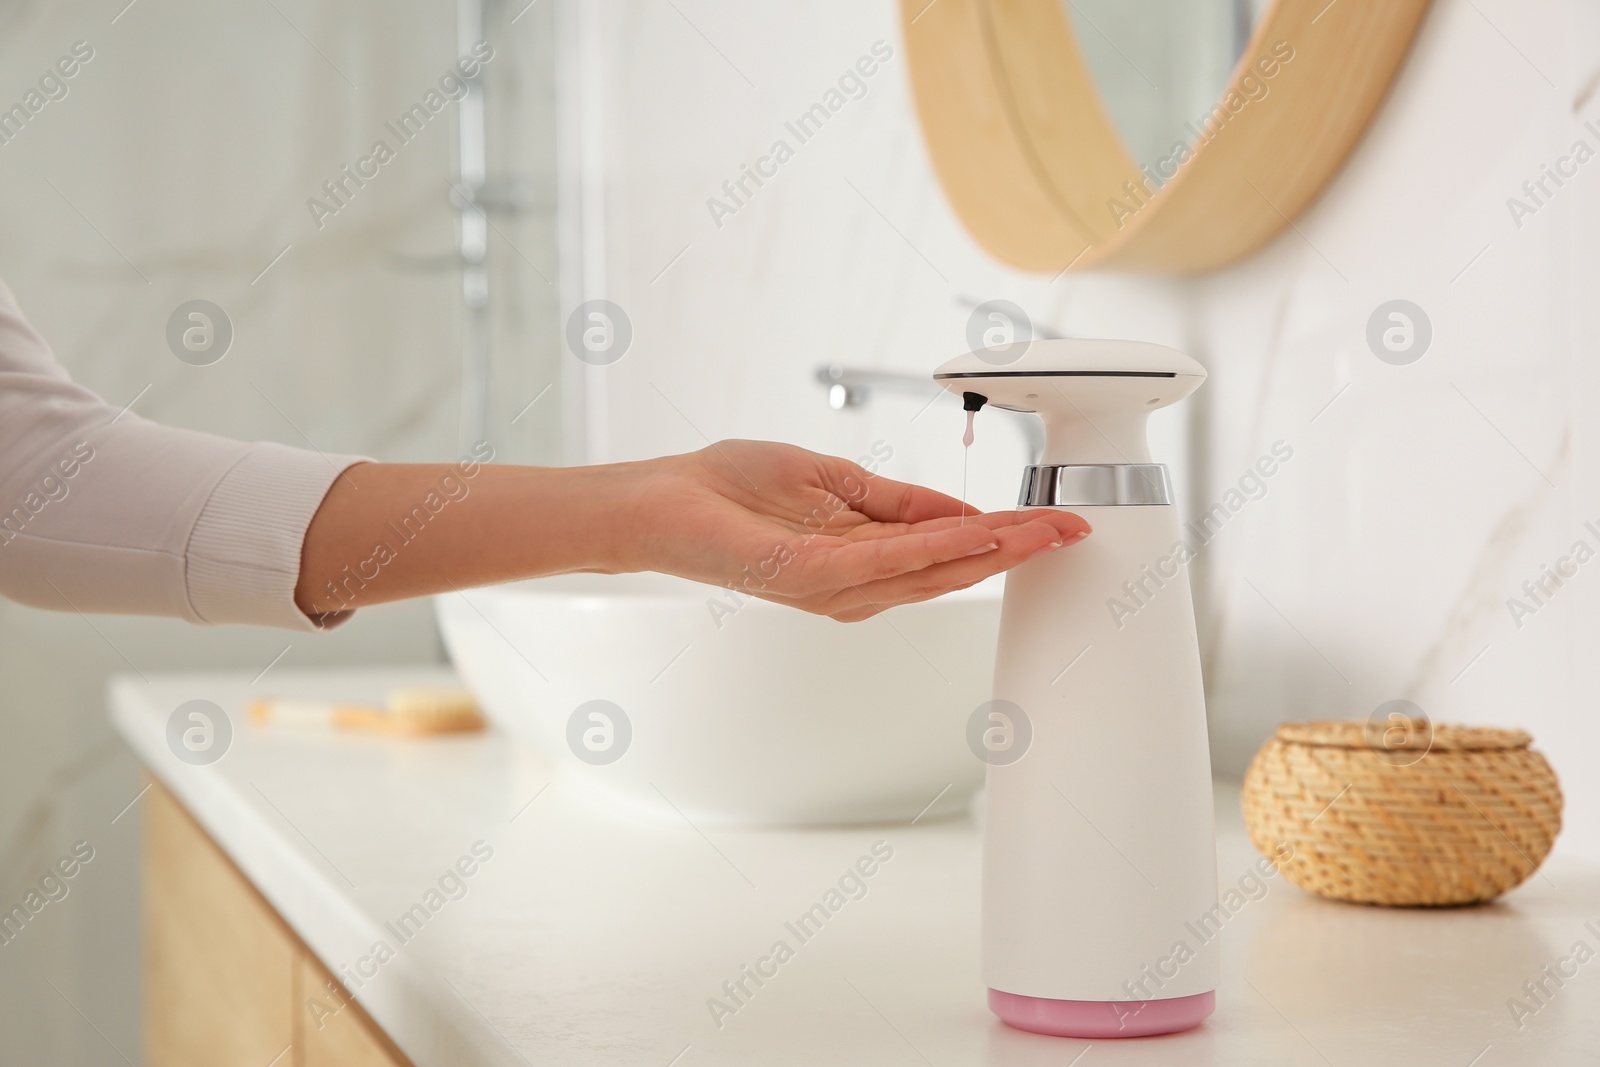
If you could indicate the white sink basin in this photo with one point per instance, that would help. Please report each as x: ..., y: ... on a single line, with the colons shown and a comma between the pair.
x: 758, y: 715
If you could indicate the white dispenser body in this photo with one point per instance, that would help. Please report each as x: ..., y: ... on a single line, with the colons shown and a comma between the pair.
x: 1099, y: 843
x: 1100, y: 913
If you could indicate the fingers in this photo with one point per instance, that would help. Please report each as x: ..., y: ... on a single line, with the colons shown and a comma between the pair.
x: 911, y: 544
x: 849, y: 562
x: 887, y: 501
x: 1017, y: 544
x: 1065, y: 522
x: 884, y: 499
x: 857, y: 601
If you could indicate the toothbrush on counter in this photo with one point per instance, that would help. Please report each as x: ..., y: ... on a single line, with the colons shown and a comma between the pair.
x: 410, y: 712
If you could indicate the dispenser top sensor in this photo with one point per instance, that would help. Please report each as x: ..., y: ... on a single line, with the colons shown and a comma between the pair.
x: 1093, y: 395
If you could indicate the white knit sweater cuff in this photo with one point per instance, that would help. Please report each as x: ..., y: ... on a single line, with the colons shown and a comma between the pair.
x: 243, y: 559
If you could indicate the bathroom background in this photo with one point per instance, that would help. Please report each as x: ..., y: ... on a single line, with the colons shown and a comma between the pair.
x: 1376, y: 565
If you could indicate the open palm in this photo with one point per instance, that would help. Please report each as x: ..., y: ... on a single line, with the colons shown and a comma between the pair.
x: 822, y: 534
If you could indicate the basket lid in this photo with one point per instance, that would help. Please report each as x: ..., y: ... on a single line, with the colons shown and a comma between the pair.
x: 1393, y: 735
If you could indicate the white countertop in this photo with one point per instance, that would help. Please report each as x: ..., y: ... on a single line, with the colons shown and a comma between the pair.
x: 590, y: 939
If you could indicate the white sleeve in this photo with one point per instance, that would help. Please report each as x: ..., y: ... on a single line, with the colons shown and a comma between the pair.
x: 102, y: 511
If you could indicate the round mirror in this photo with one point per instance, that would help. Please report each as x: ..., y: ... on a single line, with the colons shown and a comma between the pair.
x: 1169, y: 136
x: 1159, y: 65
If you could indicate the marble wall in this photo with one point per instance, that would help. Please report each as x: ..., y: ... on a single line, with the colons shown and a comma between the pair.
x: 1378, y: 563
x: 1383, y: 563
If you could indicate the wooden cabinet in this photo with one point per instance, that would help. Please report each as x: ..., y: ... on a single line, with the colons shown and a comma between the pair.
x: 227, y: 981
x: 346, y: 1039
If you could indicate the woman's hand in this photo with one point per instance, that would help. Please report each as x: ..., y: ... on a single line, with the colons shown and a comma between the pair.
x: 820, y: 533
x: 773, y: 521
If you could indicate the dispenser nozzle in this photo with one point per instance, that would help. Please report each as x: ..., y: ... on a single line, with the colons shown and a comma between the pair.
x: 970, y: 403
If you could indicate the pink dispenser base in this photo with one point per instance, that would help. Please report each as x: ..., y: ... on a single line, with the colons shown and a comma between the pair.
x: 1101, y: 1018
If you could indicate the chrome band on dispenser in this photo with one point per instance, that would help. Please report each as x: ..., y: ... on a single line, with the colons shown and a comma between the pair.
x: 1087, y: 484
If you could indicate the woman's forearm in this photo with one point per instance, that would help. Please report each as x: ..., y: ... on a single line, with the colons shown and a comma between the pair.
x: 387, y: 531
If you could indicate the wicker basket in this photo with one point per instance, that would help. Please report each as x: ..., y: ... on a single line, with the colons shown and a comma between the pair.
x: 1415, y: 815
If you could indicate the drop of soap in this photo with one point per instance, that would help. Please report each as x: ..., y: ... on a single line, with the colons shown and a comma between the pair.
x: 966, y: 443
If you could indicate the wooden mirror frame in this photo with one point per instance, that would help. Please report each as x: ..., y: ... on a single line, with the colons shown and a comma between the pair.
x: 1034, y: 168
